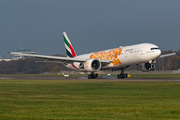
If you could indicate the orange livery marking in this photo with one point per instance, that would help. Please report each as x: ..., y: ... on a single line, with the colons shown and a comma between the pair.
x: 109, y: 55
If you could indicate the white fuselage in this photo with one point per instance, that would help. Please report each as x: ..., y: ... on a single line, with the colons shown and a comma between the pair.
x: 123, y: 56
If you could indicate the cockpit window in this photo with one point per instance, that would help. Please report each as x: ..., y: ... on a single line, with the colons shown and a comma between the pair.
x: 154, y: 48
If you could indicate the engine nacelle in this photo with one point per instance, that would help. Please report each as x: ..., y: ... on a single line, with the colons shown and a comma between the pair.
x: 146, y: 67
x: 92, y: 65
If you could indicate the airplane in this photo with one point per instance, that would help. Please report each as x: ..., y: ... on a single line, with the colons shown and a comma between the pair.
x: 143, y: 55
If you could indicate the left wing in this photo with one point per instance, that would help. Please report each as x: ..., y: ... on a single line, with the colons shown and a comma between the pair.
x: 56, y: 59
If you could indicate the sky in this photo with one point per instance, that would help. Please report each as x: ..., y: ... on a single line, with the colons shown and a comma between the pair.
x: 91, y: 25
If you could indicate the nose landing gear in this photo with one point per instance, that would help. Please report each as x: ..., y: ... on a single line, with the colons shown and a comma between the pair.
x: 151, y: 65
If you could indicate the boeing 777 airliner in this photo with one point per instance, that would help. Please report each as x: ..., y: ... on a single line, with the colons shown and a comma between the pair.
x: 143, y: 55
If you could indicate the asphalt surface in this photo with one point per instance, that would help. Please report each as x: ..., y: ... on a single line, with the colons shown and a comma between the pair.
x: 85, y: 79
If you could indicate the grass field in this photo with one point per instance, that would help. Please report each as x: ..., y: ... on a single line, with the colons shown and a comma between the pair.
x: 50, y: 99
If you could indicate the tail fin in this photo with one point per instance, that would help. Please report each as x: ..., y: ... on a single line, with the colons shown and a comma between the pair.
x: 69, y: 48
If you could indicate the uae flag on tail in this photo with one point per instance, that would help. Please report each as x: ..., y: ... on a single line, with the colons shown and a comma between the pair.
x: 69, y: 48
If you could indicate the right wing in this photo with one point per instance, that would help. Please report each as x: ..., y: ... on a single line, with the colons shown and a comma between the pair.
x: 167, y: 55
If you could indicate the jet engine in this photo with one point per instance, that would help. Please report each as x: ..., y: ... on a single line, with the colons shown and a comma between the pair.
x: 92, y: 65
x: 146, y: 67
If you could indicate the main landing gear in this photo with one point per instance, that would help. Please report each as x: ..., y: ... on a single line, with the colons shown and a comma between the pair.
x: 122, y: 75
x: 92, y: 75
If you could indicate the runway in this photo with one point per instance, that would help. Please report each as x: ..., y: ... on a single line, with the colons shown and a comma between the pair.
x: 85, y: 79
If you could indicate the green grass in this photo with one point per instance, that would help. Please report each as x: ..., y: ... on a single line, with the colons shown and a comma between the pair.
x: 38, y: 99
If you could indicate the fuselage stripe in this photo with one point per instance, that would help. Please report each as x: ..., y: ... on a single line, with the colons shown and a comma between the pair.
x: 74, y: 66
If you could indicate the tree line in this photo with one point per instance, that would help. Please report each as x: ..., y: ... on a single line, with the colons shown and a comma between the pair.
x: 169, y: 63
x: 30, y: 66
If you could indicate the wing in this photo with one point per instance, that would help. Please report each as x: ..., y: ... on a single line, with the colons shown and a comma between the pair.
x: 56, y: 59
x: 167, y: 55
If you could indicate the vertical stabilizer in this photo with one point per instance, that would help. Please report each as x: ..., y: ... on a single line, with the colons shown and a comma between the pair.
x: 69, y: 48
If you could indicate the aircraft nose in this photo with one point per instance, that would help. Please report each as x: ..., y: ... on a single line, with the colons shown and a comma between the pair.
x: 157, y: 54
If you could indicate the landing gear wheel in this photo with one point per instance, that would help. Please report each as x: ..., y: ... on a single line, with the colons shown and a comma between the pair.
x: 89, y: 76
x: 126, y: 75
x: 122, y: 75
x: 96, y: 75
x: 92, y: 75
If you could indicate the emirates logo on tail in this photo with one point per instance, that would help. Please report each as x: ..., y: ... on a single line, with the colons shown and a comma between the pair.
x: 69, y: 48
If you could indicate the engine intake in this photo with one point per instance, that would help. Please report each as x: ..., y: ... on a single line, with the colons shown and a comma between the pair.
x: 146, y: 67
x: 92, y: 65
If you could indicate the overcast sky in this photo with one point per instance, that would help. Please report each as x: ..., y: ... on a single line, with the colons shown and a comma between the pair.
x: 91, y: 25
